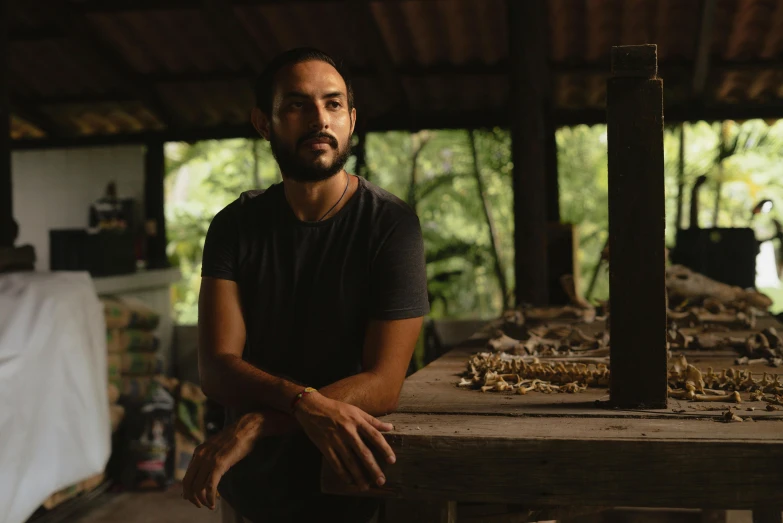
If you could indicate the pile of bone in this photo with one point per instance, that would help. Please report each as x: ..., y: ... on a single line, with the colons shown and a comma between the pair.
x: 503, y: 372
x: 561, y: 340
x: 683, y: 284
x: 688, y: 382
x: 711, y: 314
x: 763, y: 347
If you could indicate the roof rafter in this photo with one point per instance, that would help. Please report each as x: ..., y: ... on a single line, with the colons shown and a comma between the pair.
x: 220, y: 14
x: 370, y: 34
x: 703, y: 46
x: 33, y: 115
x: 76, y: 27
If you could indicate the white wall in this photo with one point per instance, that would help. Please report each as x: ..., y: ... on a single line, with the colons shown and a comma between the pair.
x: 53, y: 189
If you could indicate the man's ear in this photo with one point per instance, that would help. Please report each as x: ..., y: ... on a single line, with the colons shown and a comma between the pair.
x: 353, y: 119
x: 260, y: 122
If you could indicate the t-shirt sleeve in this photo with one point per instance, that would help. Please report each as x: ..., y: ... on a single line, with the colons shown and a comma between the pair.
x: 398, y: 287
x: 221, y: 247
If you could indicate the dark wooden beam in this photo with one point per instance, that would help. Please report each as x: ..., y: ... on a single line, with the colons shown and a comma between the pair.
x: 32, y: 114
x: 36, y: 34
x: 528, y: 148
x: 75, y: 25
x: 220, y: 14
x: 703, y: 47
x: 636, y: 229
x: 6, y: 185
x: 154, y: 202
x: 369, y: 34
x: 81, y: 99
x: 121, y: 6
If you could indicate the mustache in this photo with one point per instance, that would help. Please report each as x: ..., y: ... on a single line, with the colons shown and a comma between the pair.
x: 319, y: 134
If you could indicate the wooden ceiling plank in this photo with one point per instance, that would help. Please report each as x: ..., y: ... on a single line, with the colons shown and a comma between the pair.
x: 221, y: 16
x: 78, y: 29
x: 703, y: 47
x: 370, y: 35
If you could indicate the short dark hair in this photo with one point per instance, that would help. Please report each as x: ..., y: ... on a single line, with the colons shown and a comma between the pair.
x: 265, y: 83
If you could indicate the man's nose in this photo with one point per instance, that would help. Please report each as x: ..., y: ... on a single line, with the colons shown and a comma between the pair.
x: 319, y: 118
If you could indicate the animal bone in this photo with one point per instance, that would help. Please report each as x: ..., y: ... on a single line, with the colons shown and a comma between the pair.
x: 569, y: 286
x: 733, y: 397
x: 756, y: 395
x: 503, y: 343
x: 681, y: 394
x: 729, y: 416
x: 514, y: 317
x: 562, y: 312
x: 777, y: 400
x: 746, y: 361
x: 713, y: 305
x: 685, y: 283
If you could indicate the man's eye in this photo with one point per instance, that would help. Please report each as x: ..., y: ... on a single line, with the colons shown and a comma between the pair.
x: 334, y: 104
x: 296, y: 105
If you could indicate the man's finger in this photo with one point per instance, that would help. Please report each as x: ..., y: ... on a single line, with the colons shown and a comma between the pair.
x: 188, y: 491
x: 368, y: 460
x: 202, y: 497
x: 194, y: 499
x: 350, y: 462
x: 378, y: 441
x: 378, y: 424
x: 200, y: 481
x: 212, y: 485
x: 337, y: 466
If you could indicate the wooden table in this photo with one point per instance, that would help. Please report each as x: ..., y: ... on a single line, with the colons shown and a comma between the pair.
x: 555, y: 450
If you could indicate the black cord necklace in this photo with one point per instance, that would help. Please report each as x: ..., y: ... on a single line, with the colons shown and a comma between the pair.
x: 347, y: 181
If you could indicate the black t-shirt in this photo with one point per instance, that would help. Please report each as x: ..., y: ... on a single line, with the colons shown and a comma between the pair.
x: 308, y: 290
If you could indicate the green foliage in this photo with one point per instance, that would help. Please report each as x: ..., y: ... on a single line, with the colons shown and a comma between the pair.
x: 206, y: 176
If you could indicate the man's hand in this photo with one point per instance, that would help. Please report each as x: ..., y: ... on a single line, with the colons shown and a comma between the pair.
x: 340, y: 431
x: 213, y: 458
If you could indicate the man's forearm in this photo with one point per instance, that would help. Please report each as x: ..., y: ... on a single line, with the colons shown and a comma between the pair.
x: 365, y: 390
x: 233, y: 382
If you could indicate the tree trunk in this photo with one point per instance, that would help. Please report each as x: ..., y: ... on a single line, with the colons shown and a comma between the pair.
x: 493, y: 233
x: 680, y: 177
x: 419, y: 140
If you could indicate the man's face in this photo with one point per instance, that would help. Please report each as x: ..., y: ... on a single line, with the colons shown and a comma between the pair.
x: 310, y: 127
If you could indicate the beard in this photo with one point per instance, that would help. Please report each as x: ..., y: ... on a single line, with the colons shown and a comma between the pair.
x: 293, y: 165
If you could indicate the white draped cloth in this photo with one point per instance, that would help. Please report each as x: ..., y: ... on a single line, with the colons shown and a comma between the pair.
x: 54, y: 412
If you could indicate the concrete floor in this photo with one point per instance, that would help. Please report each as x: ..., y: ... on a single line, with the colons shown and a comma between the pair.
x: 147, y: 507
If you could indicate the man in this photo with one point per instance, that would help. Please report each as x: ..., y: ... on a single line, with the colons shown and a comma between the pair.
x: 317, y: 282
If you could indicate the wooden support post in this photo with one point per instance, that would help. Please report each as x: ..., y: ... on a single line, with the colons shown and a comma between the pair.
x: 528, y: 51
x: 634, y: 107
x: 6, y: 192
x: 154, y: 172
x: 360, y: 151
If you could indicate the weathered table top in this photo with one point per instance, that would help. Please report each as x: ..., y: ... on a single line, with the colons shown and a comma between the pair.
x: 569, y: 449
